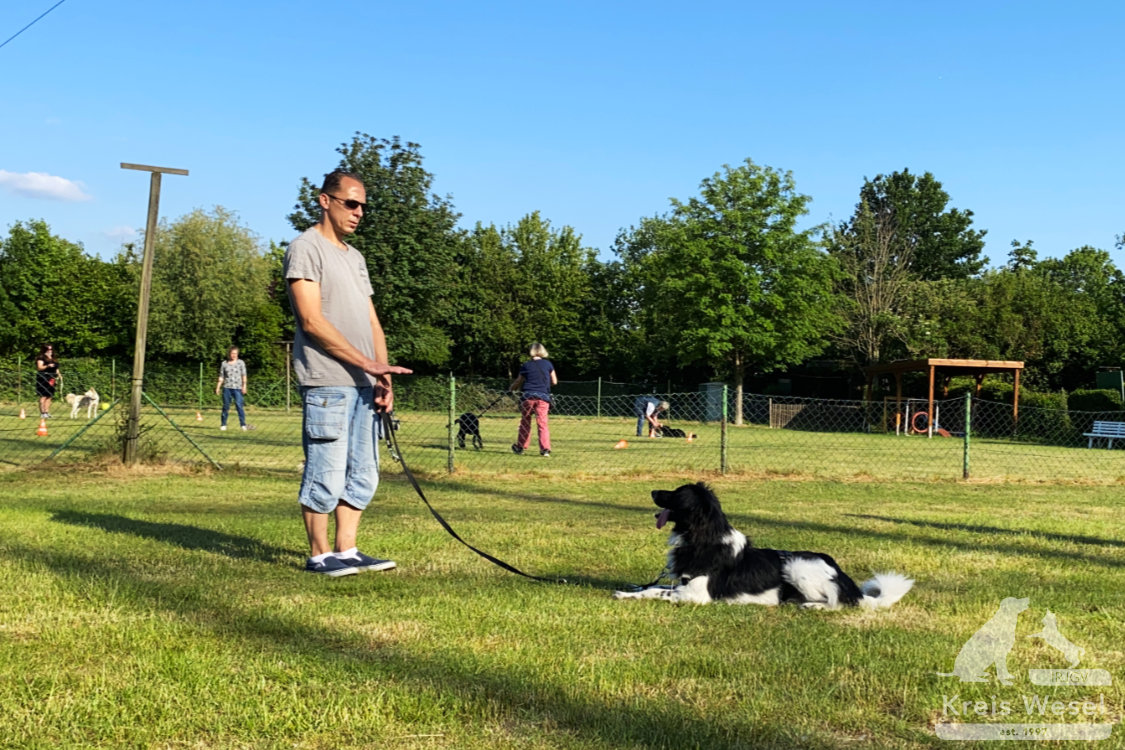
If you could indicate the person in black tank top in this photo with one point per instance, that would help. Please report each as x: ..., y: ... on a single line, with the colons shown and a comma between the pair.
x: 46, y: 379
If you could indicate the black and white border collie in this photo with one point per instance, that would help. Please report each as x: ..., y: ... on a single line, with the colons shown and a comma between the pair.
x: 715, y: 562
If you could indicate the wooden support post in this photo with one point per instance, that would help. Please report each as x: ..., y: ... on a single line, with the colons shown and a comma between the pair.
x: 930, y: 406
x: 133, y: 424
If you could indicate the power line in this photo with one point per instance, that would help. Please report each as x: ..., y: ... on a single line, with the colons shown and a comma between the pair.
x: 25, y: 28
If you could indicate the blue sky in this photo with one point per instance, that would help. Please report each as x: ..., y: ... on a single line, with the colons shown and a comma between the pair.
x: 593, y: 113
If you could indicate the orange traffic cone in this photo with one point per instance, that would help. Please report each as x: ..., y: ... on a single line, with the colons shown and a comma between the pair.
x: 621, y: 444
x: 690, y: 436
x: 23, y: 414
x: 42, y: 431
x: 198, y: 417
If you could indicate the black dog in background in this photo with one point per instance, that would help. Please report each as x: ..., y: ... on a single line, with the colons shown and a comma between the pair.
x: 468, y: 425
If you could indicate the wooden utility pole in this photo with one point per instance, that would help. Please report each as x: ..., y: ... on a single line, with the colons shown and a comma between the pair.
x: 133, y: 426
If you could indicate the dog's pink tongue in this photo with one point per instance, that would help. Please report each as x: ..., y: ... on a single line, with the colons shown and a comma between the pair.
x: 662, y: 518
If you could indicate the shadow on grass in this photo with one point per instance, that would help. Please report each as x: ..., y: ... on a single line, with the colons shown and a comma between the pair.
x: 979, y: 529
x: 460, y: 685
x: 643, y: 503
x: 745, y: 522
x: 181, y: 535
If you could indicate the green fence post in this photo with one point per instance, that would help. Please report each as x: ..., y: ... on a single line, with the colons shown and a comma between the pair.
x: 452, y: 414
x: 19, y: 379
x: 201, y: 386
x: 112, y: 379
x: 723, y: 436
x: 968, y: 429
x: 599, y: 397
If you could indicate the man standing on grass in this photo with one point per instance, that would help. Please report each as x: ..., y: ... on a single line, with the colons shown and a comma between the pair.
x: 340, y: 357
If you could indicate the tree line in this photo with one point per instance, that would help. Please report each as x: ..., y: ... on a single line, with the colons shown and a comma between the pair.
x: 722, y: 285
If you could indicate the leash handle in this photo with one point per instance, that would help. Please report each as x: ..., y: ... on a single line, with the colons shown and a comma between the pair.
x: 392, y: 443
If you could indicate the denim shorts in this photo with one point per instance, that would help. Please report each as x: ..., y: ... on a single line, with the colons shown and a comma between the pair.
x: 340, y: 435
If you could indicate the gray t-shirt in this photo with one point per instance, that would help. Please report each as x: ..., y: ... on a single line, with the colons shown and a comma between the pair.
x: 232, y: 373
x: 345, y: 296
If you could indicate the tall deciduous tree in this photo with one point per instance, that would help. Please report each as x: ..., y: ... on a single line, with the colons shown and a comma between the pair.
x: 410, y: 240
x: 941, y: 241
x: 523, y: 283
x: 874, y: 282
x: 729, y: 281
x: 209, y: 290
x: 1088, y: 276
x: 50, y: 290
x: 486, y: 324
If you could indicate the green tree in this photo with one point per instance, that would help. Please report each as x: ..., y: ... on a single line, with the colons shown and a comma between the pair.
x: 50, y: 290
x: 941, y: 242
x: 727, y: 280
x: 1022, y: 257
x: 527, y: 282
x: 611, y: 345
x: 209, y: 290
x: 874, y: 282
x: 552, y: 285
x: 409, y: 239
x: 486, y: 324
x: 1088, y: 276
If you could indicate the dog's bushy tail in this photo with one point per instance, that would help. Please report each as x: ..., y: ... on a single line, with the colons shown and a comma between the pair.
x: 883, y: 590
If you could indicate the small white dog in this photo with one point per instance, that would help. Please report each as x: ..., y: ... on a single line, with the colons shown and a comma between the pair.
x: 89, y: 399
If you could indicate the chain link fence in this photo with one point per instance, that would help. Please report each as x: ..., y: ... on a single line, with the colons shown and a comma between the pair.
x: 593, y: 433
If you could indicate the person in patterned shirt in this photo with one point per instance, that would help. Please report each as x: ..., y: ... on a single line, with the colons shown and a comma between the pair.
x: 232, y: 384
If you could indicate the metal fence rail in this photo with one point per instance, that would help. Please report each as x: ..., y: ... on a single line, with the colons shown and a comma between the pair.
x: 595, y: 436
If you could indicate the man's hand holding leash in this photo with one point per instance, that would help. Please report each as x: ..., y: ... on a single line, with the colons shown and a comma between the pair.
x: 384, y: 395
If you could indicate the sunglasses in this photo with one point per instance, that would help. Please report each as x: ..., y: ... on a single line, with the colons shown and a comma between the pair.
x: 349, y: 204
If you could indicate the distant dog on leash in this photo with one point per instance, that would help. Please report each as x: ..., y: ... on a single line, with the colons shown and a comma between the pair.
x: 672, y: 432
x: 468, y: 426
x: 89, y: 399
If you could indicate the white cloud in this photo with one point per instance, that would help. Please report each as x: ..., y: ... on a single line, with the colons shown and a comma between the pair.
x: 121, y: 234
x: 41, y: 185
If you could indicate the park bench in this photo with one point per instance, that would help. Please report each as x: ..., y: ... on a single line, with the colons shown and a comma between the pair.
x: 1108, y: 430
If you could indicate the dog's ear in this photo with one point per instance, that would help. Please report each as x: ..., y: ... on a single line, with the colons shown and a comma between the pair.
x: 709, y: 522
x: 707, y: 495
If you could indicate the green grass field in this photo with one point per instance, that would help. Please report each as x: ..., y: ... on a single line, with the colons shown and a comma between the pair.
x: 162, y: 609
x: 582, y: 447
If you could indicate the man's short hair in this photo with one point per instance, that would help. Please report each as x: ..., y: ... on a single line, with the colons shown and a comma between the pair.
x: 333, y: 179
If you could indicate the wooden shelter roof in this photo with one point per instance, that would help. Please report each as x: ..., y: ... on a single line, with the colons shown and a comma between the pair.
x: 932, y: 366
x: 962, y: 366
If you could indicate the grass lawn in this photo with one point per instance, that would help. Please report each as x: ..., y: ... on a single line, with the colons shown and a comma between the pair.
x: 169, y: 610
x: 581, y: 447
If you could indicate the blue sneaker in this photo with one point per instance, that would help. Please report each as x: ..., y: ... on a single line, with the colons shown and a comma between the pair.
x: 331, y: 566
x: 364, y: 563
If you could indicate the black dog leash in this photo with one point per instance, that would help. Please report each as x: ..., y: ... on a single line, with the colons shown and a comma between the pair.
x: 396, y: 453
x: 494, y: 402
